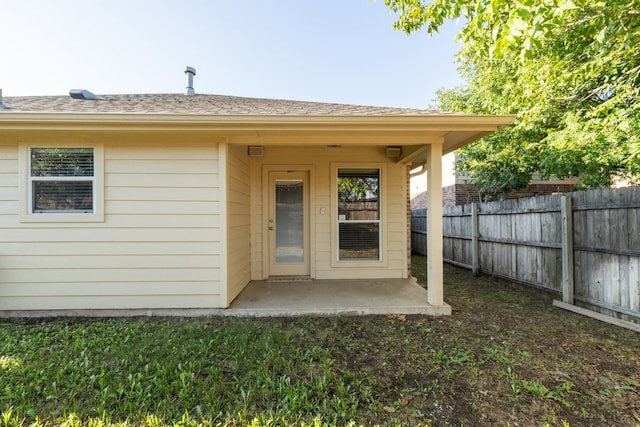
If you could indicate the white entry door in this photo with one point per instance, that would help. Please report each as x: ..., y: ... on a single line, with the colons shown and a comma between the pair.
x: 288, y: 223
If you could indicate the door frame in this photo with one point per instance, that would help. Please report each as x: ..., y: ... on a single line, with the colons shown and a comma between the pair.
x: 266, y: 188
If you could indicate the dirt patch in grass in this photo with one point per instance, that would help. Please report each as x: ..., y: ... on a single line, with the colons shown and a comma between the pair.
x: 524, y: 362
x: 505, y: 357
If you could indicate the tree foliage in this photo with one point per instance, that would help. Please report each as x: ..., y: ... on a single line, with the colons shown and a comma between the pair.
x: 353, y: 189
x: 569, y: 70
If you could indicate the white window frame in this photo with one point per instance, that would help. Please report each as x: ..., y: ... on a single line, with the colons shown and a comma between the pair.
x: 335, y: 220
x: 26, y: 182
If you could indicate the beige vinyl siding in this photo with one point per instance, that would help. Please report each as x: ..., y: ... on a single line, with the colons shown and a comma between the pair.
x: 257, y: 220
x: 158, y: 247
x: 238, y: 221
x: 394, y: 225
x: 8, y: 187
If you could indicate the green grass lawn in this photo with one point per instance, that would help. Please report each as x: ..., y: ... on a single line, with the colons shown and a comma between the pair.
x: 505, y: 357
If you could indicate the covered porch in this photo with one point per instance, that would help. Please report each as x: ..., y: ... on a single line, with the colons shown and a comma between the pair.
x: 316, y: 158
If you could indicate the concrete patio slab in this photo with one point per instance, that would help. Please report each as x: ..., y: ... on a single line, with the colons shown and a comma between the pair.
x: 293, y: 297
x: 333, y: 297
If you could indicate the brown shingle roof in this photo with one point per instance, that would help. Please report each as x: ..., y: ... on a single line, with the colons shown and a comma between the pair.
x: 198, y: 104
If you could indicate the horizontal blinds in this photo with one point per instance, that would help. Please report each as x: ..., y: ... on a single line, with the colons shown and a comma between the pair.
x: 359, y: 241
x: 62, y: 196
x: 62, y: 180
x: 62, y: 162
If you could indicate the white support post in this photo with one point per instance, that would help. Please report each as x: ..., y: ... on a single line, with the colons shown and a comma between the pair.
x: 435, y: 293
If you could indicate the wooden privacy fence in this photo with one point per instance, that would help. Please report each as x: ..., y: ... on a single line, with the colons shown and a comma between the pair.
x: 583, y: 245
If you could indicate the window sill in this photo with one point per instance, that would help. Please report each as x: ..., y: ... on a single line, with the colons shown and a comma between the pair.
x: 58, y: 218
x: 373, y: 263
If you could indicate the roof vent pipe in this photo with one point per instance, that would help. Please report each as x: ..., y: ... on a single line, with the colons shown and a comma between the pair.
x: 2, y: 106
x: 190, y: 72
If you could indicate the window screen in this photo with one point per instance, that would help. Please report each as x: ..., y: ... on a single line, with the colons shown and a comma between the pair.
x: 358, y: 214
x: 62, y: 180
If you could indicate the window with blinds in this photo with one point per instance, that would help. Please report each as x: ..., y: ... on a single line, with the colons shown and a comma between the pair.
x: 61, y: 180
x: 358, y: 214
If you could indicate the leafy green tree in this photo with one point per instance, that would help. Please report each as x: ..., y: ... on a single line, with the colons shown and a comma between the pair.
x: 357, y: 188
x: 569, y: 70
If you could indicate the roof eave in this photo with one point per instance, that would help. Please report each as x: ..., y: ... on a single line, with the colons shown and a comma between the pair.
x: 251, y: 123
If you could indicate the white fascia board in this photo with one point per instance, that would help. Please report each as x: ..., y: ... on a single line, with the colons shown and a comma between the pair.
x: 406, y: 123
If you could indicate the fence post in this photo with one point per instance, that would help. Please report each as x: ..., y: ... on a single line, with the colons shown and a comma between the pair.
x: 567, y: 250
x: 475, y: 244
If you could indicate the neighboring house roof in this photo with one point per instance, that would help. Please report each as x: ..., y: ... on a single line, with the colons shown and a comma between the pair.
x: 197, y: 104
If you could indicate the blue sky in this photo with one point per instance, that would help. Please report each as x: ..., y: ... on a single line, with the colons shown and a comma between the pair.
x: 343, y: 51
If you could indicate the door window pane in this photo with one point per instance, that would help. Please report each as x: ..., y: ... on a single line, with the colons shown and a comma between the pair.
x: 289, y: 220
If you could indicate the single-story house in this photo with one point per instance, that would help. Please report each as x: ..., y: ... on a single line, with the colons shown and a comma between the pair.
x: 173, y: 201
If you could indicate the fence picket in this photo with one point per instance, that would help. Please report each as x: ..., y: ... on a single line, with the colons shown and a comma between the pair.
x: 521, y: 240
